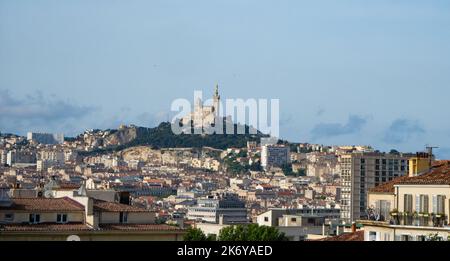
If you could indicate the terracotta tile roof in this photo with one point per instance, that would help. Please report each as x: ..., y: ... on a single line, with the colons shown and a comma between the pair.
x: 44, y: 204
x: 45, y: 227
x: 140, y: 227
x: 439, y: 175
x: 357, y: 236
x: 387, y: 187
x: 105, y: 206
x: 68, y: 186
x: 51, y: 227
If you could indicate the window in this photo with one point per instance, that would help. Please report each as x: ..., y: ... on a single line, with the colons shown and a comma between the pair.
x: 422, y: 203
x: 35, y: 218
x: 123, y: 217
x: 61, y: 218
x: 372, y: 236
x: 383, y: 207
x: 421, y: 238
x: 406, y: 238
x: 408, y: 203
x: 266, y: 219
x: 439, y: 204
x: 293, y: 219
x: 9, y: 217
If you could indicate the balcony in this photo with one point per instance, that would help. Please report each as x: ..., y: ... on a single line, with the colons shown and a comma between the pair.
x: 418, y: 219
x: 439, y: 220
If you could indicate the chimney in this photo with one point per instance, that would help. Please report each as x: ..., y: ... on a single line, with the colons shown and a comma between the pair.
x: 353, y: 227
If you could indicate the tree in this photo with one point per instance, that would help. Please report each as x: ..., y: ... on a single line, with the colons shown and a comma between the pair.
x: 394, y: 151
x: 194, y: 234
x: 252, y: 232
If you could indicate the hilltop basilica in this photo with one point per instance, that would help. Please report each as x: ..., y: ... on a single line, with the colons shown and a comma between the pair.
x: 204, y: 115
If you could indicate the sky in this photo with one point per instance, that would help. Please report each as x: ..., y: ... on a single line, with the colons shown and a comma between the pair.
x: 345, y: 72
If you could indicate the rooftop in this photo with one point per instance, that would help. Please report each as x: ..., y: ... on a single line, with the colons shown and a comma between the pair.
x: 356, y: 236
x: 44, y: 204
x: 100, y: 205
x: 51, y: 227
x: 439, y: 175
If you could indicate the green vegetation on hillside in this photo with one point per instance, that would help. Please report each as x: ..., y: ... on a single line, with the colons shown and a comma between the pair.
x: 163, y: 137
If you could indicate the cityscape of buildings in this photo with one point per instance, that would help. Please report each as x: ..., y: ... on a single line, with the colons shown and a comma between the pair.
x: 52, y: 188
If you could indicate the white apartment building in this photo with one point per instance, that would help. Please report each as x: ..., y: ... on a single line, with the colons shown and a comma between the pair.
x: 220, y: 209
x: 274, y: 156
x: 3, y: 156
x: 361, y: 171
x: 46, y: 138
x: 297, y: 224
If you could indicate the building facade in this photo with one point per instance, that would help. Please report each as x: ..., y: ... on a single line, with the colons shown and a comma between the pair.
x: 226, y: 208
x: 411, y: 209
x: 79, y: 217
x: 274, y: 156
x: 46, y: 138
x: 361, y: 171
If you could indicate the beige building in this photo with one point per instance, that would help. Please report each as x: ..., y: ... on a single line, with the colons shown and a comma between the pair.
x: 361, y: 171
x: 79, y: 218
x: 411, y: 208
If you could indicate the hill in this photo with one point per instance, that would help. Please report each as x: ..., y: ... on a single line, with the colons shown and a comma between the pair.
x: 163, y: 137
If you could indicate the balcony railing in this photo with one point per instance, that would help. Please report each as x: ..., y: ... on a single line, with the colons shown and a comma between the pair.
x: 418, y: 219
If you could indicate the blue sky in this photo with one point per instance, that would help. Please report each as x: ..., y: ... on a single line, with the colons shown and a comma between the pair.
x: 346, y: 72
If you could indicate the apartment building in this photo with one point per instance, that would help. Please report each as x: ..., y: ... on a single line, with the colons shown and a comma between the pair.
x: 411, y: 208
x: 225, y: 208
x: 361, y: 171
x: 46, y: 138
x: 3, y: 156
x: 274, y: 156
x: 300, y: 224
x: 18, y: 157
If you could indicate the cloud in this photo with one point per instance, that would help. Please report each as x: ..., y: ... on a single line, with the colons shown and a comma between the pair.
x: 401, y: 130
x: 37, y: 112
x: 325, y: 130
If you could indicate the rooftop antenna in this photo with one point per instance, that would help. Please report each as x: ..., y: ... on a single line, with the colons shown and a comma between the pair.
x: 430, y: 153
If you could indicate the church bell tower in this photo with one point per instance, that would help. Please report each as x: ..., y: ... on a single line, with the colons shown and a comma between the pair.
x: 216, y: 101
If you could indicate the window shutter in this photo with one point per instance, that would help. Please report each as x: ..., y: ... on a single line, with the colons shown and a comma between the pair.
x: 418, y: 203
x: 443, y: 204
x: 405, y: 203
x: 435, y: 204
x: 440, y: 204
x: 410, y: 202
x: 426, y: 204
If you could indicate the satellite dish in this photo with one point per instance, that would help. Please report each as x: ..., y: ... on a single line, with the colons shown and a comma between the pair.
x: 73, y: 238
